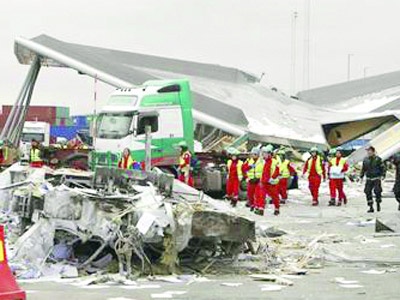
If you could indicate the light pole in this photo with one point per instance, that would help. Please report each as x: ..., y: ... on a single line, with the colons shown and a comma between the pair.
x: 349, y: 56
x: 293, y: 55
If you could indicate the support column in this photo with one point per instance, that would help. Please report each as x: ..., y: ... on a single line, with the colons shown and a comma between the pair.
x: 14, y: 124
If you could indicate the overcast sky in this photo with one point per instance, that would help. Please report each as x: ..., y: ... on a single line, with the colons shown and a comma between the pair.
x: 254, y: 35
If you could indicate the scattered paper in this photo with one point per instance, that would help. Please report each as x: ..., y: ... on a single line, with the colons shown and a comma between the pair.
x: 96, y: 286
x: 271, y: 288
x: 351, y: 286
x: 374, y: 272
x: 388, y: 246
x: 145, y: 222
x: 168, y: 294
x: 141, y: 287
x: 273, y: 278
x: 341, y: 280
x: 170, y: 279
x: 232, y: 284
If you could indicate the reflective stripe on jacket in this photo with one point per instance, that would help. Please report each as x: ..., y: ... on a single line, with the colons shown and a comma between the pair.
x: 239, y: 166
x: 35, y: 155
x: 284, y: 169
x: 256, y: 168
x: 126, y: 162
x: 184, y: 162
x: 318, y: 165
x: 337, y: 169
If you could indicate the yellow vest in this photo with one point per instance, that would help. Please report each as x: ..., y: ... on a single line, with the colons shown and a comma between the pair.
x: 284, y: 169
x: 35, y: 155
x: 341, y: 163
x: 185, y: 169
x: 238, y: 166
x: 336, y: 169
x: 129, y: 163
x: 256, y: 172
x: 318, y: 165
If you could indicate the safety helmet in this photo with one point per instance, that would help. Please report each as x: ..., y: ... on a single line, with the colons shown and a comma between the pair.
x: 332, y: 151
x: 255, y: 151
x: 314, y: 149
x: 182, y: 144
x: 282, y: 152
x: 267, y: 149
x: 232, y: 151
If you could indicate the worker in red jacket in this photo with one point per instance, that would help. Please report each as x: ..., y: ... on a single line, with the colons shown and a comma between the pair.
x: 184, y: 167
x: 286, y: 170
x: 269, y: 182
x: 337, y: 169
x: 252, y: 170
x: 315, y: 171
x: 234, y: 176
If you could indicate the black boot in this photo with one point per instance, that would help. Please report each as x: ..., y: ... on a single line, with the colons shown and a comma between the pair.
x: 234, y: 202
x: 331, y: 202
x: 378, y: 206
x: 259, y: 212
x: 371, y: 209
x: 276, y: 212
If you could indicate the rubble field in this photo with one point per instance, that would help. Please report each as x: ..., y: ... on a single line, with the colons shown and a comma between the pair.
x: 183, y: 244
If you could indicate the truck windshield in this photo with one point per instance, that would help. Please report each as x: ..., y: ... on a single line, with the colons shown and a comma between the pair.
x: 114, y: 125
x: 27, y: 137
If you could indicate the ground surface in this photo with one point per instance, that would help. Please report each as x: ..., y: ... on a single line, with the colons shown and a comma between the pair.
x: 299, y: 219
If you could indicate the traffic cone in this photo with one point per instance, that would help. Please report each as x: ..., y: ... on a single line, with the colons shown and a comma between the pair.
x: 9, y: 289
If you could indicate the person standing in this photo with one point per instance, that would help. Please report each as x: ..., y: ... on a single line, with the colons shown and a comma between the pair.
x: 396, y: 188
x: 286, y: 170
x: 234, y: 176
x: 337, y: 169
x: 35, y: 160
x: 184, y: 168
x: 253, y: 168
x: 315, y: 171
x: 269, y: 182
x: 126, y: 162
x: 374, y: 169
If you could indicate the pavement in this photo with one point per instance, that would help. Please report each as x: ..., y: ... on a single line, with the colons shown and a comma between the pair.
x: 352, y: 233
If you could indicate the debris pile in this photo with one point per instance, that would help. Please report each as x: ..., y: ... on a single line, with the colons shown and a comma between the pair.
x: 69, y: 223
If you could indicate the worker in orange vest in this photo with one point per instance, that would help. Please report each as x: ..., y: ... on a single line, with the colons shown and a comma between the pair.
x: 337, y: 169
x: 234, y: 176
x: 269, y: 184
x: 286, y: 170
x: 315, y: 171
x: 184, y: 169
x: 126, y: 162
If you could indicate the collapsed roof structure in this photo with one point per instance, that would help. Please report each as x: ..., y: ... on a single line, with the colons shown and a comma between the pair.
x: 371, y: 95
x: 228, y: 99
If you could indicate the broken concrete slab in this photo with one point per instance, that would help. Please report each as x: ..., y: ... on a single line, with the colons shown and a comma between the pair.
x: 388, y: 224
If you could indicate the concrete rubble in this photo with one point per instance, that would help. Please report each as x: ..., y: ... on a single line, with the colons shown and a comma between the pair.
x: 69, y: 222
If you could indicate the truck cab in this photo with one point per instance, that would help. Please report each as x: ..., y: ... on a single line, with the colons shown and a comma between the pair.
x: 165, y: 106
